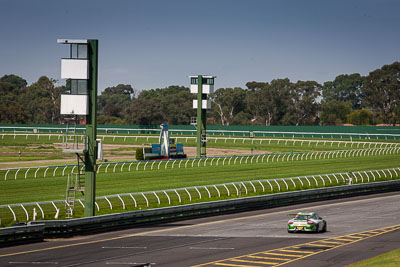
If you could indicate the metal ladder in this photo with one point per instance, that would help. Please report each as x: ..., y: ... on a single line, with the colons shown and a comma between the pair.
x: 75, y: 183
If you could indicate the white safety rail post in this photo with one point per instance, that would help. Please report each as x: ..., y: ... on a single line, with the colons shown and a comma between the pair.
x: 169, y: 199
x: 159, y: 164
x: 16, y: 173
x: 279, y: 187
x: 301, y: 182
x: 208, y: 191
x: 287, y: 186
x: 123, y: 203
x: 13, y: 213
x: 327, y: 176
x: 134, y: 200
x: 262, y: 186
x: 294, y: 184
x: 99, y: 167
x: 237, y: 190
x: 254, y: 188
x: 366, y: 174
x: 26, y: 212
x: 308, y: 181
x: 109, y: 202
x: 158, y: 199
x: 173, y: 163
x: 245, y: 188
x: 108, y: 165
x: 41, y: 210
x: 198, y: 192
x: 97, y: 206
x: 190, y: 196
x: 216, y: 188
x: 26, y: 173
x: 205, y: 162
x: 122, y: 167
x: 270, y: 185
x: 129, y: 167
x: 147, y: 201
x: 227, y: 190
x: 57, y: 210
x: 54, y: 172
x: 322, y: 179
x: 179, y: 197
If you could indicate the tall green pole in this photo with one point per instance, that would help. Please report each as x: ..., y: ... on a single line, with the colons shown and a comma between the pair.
x: 90, y: 154
x: 201, y: 118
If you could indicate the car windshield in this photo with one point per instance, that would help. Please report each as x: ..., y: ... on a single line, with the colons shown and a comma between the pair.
x: 302, y: 217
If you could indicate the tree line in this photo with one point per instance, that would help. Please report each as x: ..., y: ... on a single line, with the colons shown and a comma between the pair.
x: 349, y: 98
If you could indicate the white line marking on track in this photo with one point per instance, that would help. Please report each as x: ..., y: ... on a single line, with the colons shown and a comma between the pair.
x: 33, y: 262
x: 129, y: 263
x: 126, y: 247
x: 210, y: 248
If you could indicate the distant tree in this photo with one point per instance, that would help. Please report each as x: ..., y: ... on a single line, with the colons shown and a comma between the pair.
x: 360, y: 117
x: 227, y: 102
x: 382, y: 92
x: 345, y: 88
x: 172, y: 105
x: 114, y: 102
x: 41, y: 100
x: 334, y: 112
x: 12, y: 109
x: 303, y: 106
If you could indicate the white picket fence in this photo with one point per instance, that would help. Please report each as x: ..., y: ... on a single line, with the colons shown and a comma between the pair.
x: 143, y: 200
x: 128, y: 166
x: 30, y: 129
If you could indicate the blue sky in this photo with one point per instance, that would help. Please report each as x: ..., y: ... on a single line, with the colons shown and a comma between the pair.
x: 154, y: 44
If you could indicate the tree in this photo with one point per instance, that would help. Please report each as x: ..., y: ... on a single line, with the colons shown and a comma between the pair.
x: 41, y: 100
x: 345, y: 88
x: 382, y: 91
x: 303, y: 105
x: 227, y: 103
x: 360, y: 117
x: 11, y: 107
x: 334, y: 112
x: 114, y: 102
x: 172, y: 105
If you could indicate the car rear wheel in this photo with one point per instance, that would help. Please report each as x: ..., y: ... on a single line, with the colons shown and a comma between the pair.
x: 325, y: 228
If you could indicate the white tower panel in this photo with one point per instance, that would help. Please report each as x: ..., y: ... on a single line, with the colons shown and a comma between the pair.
x: 207, y: 88
x: 205, y: 104
x: 74, y: 105
x: 74, y: 69
x: 193, y: 88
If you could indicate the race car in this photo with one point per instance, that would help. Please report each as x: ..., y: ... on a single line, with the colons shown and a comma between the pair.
x: 306, y: 222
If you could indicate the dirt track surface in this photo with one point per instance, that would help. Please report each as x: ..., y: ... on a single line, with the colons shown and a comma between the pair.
x: 130, y: 155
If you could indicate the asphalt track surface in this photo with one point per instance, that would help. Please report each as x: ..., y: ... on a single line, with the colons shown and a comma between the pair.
x: 358, y: 228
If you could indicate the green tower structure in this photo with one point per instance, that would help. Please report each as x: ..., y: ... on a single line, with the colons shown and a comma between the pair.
x: 80, y: 70
x: 202, y: 85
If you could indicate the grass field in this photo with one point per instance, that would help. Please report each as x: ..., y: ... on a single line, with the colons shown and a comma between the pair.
x: 51, y: 188
x: 389, y: 259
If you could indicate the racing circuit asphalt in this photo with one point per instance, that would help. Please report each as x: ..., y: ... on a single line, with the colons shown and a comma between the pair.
x: 256, y: 238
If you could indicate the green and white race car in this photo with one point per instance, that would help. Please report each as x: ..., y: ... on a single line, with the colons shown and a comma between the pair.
x: 307, y: 222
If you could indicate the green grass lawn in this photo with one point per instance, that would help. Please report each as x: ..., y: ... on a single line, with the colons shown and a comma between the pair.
x: 53, y: 188
x: 389, y: 259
